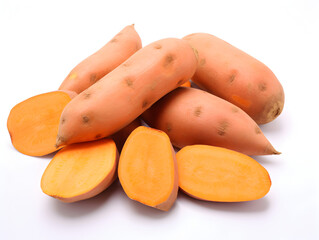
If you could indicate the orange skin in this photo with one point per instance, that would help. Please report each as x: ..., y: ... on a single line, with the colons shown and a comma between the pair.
x: 126, y: 92
x: 96, y: 66
x: 192, y: 116
x: 235, y: 76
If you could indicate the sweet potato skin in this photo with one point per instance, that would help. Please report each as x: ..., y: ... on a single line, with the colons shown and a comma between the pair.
x: 232, y: 74
x: 192, y: 116
x: 93, y: 68
x: 122, y: 95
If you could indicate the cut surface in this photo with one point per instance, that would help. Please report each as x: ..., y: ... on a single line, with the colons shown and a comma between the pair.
x: 80, y: 171
x: 222, y: 175
x: 147, y: 168
x: 33, y: 123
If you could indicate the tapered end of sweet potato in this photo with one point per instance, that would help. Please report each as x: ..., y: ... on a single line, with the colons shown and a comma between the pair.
x: 33, y: 123
x: 147, y: 168
x: 80, y: 171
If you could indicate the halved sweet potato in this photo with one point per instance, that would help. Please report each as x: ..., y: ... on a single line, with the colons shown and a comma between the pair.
x: 81, y: 171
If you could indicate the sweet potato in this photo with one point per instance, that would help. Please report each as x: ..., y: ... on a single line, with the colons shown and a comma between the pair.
x: 127, y: 91
x: 187, y: 84
x: 222, y: 175
x: 239, y: 78
x: 33, y: 123
x: 147, y: 168
x: 121, y: 136
x: 96, y: 66
x: 192, y: 116
x: 81, y: 171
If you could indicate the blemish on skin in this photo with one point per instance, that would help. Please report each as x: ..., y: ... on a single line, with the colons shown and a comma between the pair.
x: 114, y: 40
x: 198, y: 111
x: 157, y: 46
x: 85, y: 119
x: 87, y: 95
x: 129, y: 82
x: 262, y: 87
x: 221, y: 129
x: 257, y: 130
x: 144, y: 104
x: 180, y: 82
x: 202, y: 62
x: 196, y: 53
x: 97, y: 136
x: 93, y: 78
x: 62, y: 120
x: 126, y: 64
x: 232, y: 78
x: 168, y: 127
x: 168, y: 60
x: 234, y: 109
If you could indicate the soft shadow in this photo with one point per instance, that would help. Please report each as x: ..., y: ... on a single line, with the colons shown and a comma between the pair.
x: 259, y: 205
x: 85, y: 207
x: 48, y: 156
x: 269, y: 159
x: 148, y: 211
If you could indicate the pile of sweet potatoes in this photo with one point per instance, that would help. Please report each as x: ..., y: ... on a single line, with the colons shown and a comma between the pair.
x: 121, y: 111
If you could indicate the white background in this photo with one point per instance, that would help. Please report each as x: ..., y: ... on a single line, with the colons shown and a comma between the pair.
x: 41, y: 41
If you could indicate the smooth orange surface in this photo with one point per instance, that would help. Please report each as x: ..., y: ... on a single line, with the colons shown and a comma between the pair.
x: 33, y: 123
x: 147, y: 168
x: 81, y: 171
x: 222, y: 175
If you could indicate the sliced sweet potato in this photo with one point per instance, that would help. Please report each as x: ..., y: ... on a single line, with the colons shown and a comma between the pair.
x: 33, y: 123
x: 81, y: 171
x: 219, y: 174
x: 147, y: 168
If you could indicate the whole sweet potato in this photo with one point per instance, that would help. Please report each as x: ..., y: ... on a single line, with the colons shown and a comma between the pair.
x: 232, y: 74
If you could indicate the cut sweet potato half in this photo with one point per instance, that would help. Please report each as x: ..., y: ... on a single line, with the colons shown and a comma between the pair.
x: 81, y: 171
x: 221, y: 175
x: 147, y: 168
x: 33, y: 123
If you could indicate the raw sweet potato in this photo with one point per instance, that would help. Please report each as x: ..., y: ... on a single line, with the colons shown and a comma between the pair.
x: 121, y: 136
x: 96, y: 66
x: 81, y: 171
x: 187, y: 84
x: 127, y: 91
x: 233, y: 75
x: 147, y: 168
x: 222, y: 175
x: 192, y: 116
x: 33, y: 123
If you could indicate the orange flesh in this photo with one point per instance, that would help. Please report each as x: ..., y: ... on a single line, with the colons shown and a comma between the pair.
x: 80, y: 171
x: 146, y: 167
x: 187, y: 84
x: 33, y: 123
x: 222, y: 175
